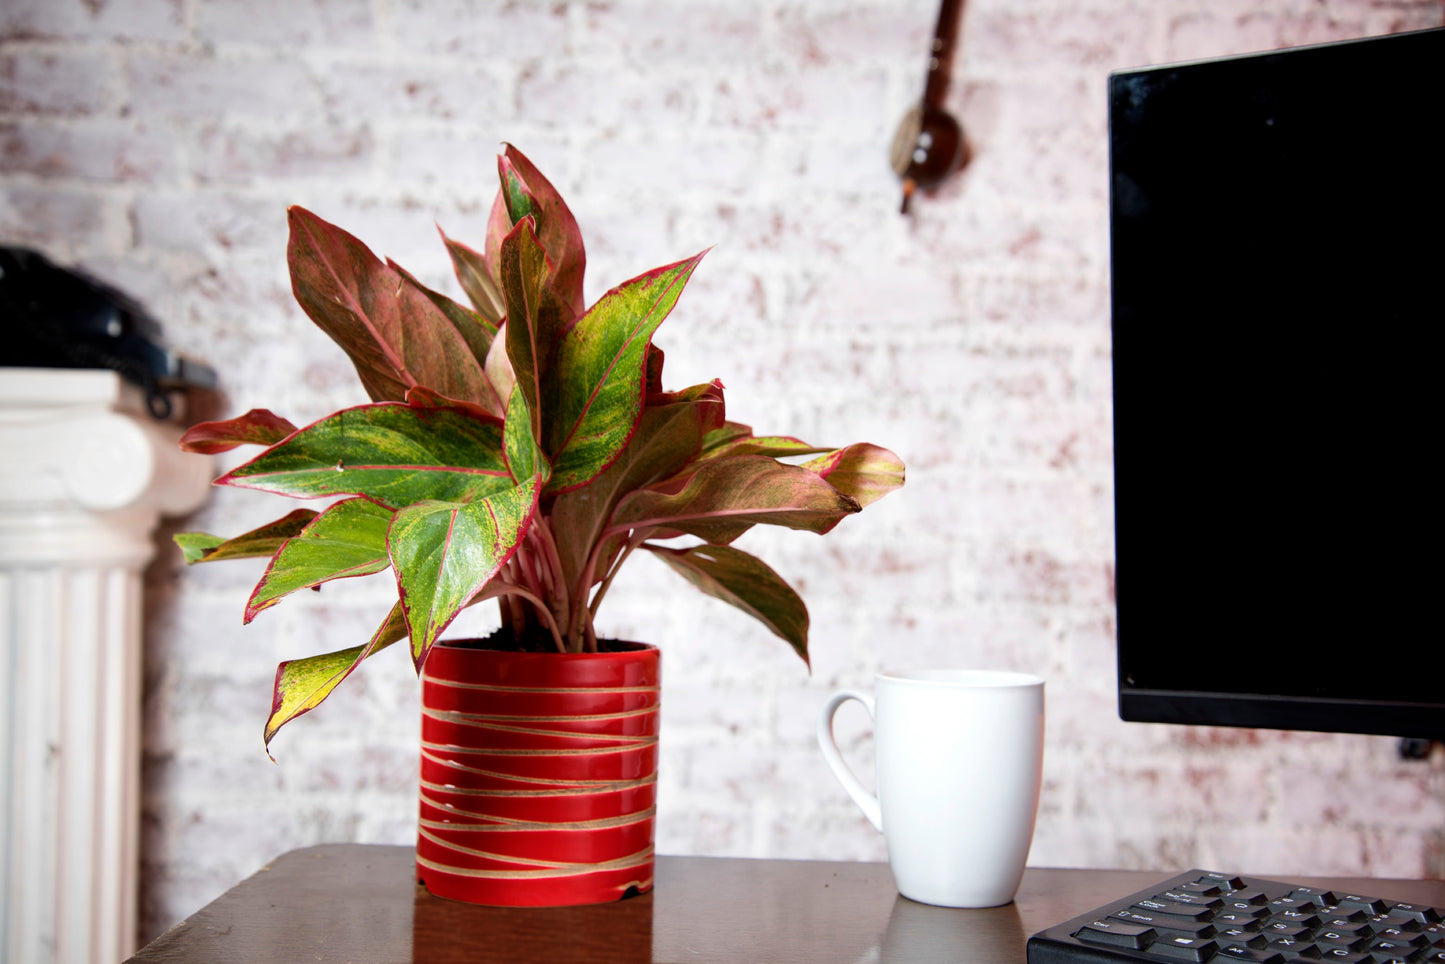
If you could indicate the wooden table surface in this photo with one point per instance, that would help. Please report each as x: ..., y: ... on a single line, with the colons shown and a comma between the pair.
x: 359, y: 904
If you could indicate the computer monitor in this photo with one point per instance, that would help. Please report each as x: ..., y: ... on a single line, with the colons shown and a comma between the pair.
x: 1278, y: 293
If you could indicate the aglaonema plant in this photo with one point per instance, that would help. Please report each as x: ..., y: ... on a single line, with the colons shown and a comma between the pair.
x: 519, y: 448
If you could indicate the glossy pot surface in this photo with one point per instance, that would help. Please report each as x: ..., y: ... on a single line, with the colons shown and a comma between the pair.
x: 538, y: 775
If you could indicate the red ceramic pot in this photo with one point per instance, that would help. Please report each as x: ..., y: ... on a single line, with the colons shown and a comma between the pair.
x: 538, y: 775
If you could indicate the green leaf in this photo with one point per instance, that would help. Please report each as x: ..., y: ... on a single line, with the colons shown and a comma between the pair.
x: 395, y: 335
x: 348, y: 539
x: 445, y: 552
x: 597, y: 388
x: 475, y: 276
x: 259, y: 426
x: 393, y: 454
x: 301, y: 684
x: 862, y: 471
x: 524, y: 458
x: 528, y: 193
x: 723, y: 498
x: 262, y: 541
x: 744, y: 581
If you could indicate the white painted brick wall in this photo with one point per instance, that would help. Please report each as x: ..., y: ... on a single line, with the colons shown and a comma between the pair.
x: 157, y: 143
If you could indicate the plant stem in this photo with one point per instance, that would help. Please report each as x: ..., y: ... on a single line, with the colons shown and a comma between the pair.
x: 632, y: 543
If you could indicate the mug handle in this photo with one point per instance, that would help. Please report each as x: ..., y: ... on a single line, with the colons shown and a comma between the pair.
x: 867, y: 802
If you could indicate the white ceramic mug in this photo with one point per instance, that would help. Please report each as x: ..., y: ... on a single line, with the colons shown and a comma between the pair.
x: 959, y: 757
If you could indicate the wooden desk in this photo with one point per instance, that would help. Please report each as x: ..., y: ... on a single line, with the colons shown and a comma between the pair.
x: 359, y: 904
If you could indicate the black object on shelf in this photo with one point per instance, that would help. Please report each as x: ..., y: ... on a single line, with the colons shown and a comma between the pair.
x: 54, y: 317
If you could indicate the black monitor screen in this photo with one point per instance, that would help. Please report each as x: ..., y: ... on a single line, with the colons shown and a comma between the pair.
x: 1278, y: 261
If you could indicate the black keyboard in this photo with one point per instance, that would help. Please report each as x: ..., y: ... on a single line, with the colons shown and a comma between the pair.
x: 1200, y: 917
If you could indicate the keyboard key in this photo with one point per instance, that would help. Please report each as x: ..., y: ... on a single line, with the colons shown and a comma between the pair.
x: 1246, y: 938
x: 1370, y: 905
x: 1292, y: 947
x: 1116, y: 934
x: 1185, y: 949
x: 1184, y: 897
x: 1206, y: 887
x: 1401, y: 935
x: 1238, y: 952
x: 1353, y: 942
x: 1278, y: 928
x: 1237, y: 916
x: 1299, y: 918
x: 1392, y: 949
x: 1174, y: 909
x: 1415, y: 912
x: 1223, y: 881
x: 1342, y: 955
x: 1241, y: 935
x: 1315, y: 895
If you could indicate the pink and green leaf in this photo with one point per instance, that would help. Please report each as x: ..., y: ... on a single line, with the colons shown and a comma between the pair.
x: 726, y: 433
x: 669, y: 435
x: 474, y: 329
x: 773, y: 446
x: 259, y: 426
x: 394, y: 333
x: 499, y: 223
x: 499, y: 367
x: 347, y: 539
x: 744, y: 581
x: 302, y: 684
x: 598, y: 386
x: 445, y: 552
x: 476, y: 278
x: 722, y: 498
x: 391, y: 453
x: 862, y: 471
x: 536, y: 316
x: 527, y: 193
x: 263, y: 541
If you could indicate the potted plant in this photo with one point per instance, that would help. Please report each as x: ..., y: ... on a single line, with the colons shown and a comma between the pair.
x: 520, y: 448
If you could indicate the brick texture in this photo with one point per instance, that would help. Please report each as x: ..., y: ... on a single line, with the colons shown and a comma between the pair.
x: 156, y: 143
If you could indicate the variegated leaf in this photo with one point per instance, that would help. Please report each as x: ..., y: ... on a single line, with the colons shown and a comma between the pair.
x: 393, y: 454
x: 348, y: 539
x: 524, y: 458
x: 527, y: 193
x: 744, y: 581
x: 773, y: 446
x: 393, y: 332
x: 475, y: 330
x: 301, y: 684
x: 536, y: 316
x: 597, y: 387
x: 669, y: 435
x: 727, y: 432
x: 863, y: 471
x: 475, y: 276
x: 262, y: 541
x: 445, y: 552
x: 259, y: 426
x: 723, y: 498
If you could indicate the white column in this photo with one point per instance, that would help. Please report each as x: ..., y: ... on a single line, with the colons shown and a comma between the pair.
x: 85, y: 475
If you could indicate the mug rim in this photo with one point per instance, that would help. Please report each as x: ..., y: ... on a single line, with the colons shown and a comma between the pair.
x: 941, y: 677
